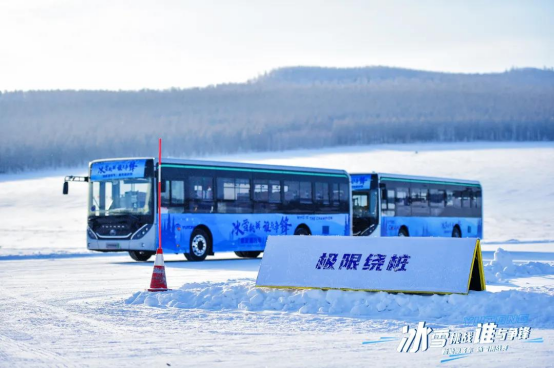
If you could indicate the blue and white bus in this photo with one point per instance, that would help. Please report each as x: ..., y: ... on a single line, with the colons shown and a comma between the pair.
x: 209, y: 207
x: 387, y: 205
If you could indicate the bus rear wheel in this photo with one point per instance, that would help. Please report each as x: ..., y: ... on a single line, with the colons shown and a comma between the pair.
x: 456, y: 233
x: 199, y: 246
x: 403, y: 232
x: 302, y: 231
x: 140, y: 255
x: 248, y: 254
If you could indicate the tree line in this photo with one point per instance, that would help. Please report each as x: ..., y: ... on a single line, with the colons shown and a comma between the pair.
x: 289, y: 108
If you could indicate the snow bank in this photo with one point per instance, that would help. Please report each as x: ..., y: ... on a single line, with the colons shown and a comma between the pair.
x: 503, y: 268
x: 241, y: 294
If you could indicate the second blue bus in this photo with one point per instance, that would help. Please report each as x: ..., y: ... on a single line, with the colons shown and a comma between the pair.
x: 386, y: 205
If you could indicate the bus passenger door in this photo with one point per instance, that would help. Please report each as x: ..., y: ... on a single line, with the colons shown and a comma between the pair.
x: 360, y: 210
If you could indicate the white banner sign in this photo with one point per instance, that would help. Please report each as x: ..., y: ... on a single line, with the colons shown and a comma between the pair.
x: 393, y: 264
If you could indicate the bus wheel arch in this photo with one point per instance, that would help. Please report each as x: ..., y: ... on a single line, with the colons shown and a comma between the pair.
x: 302, y: 230
x: 210, y: 238
x: 403, y: 232
x: 248, y: 254
x: 200, y: 237
x: 456, y: 231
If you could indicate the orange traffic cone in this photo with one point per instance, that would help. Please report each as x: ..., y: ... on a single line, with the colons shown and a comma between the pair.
x: 158, y: 283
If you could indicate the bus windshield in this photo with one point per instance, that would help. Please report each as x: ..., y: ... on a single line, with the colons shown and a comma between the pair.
x: 129, y: 196
x: 364, y: 204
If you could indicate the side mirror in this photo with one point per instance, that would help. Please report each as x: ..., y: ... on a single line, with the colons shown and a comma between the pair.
x: 65, y: 188
x: 164, y: 189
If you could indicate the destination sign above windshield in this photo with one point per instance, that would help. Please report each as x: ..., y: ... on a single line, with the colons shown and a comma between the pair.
x: 117, y: 169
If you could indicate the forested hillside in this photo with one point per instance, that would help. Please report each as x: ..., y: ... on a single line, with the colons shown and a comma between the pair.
x: 288, y: 108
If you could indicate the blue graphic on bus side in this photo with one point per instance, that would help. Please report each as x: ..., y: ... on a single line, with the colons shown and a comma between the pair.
x: 431, y: 226
x: 245, y: 232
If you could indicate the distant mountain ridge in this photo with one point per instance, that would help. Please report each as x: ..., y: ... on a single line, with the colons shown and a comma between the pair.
x: 307, y: 75
x: 288, y: 108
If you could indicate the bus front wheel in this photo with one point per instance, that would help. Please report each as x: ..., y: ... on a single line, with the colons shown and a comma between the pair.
x: 140, y: 255
x: 199, y: 246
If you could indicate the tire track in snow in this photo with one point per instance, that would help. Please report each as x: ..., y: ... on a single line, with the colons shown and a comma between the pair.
x: 16, y: 352
x: 24, y: 344
x: 33, y: 306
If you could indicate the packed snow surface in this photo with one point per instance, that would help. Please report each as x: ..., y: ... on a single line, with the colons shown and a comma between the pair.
x: 64, y: 306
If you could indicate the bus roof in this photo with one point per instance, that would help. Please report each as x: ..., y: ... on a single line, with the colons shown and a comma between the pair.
x: 420, y: 178
x: 209, y: 163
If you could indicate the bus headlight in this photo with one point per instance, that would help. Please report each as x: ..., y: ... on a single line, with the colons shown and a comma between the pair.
x: 141, y: 232
x: 369, y: 230
x: 91, y: 233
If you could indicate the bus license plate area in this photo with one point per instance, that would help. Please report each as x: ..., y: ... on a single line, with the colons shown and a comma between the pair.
x: 113, y: 245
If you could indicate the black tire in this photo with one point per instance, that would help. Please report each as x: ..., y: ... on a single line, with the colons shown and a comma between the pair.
x: 140, y: 255
x: 456, y: 233
x: 248, y: 254
x: 199, y: 246
x: 302, y: 231
x: 403, y: 232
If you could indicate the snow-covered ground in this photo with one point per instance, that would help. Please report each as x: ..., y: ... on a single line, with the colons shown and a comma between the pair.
x: 517, y: 179
x: 63, y: 306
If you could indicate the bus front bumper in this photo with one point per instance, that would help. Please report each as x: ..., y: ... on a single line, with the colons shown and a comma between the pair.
x: 146, y: 243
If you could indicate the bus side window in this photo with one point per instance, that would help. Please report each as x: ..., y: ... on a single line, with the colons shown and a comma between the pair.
x: 344, y: 196
x: 226, y: 189
x: 242, y: 189
x: 306, y: 192
x: 200, y: 194
x: 418, y: 201
x: 200, y: 188
x: 174, y: 196
x: 449, y: 198
x: 165, y: 194
x: 335, y: 194
x: 233, y: 195
x: 391, y: 199
x: 402, y: 197
x: 466, y: 198
x: 436, y: 198
x: 177, y: 192
x: 402, y: 207
x: 478, y: 198
x: 417, y: 198
x: 261, y: 190
x: 291, y: 191
x: 457, y: 199
x: 322, y: 193
x: 266, y: 195
x: 437, y: 201
x: 388, y: 200
x: 275, y: 192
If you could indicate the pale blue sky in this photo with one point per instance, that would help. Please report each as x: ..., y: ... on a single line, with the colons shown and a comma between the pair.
x: 99, y: 44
